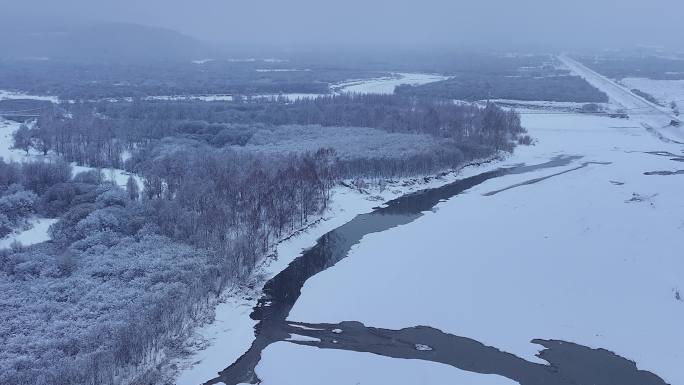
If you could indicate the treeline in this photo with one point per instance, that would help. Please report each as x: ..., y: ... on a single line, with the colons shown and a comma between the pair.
x: 474, y: 87
x: 640, y: 65
x: 388, y: 112
x: 94, y: 81
x: 100, y: 134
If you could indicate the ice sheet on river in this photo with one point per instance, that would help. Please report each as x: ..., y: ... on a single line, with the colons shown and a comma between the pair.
x: 568, y: 258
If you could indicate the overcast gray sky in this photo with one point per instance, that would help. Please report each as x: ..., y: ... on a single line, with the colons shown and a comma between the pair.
x: 595, y: 23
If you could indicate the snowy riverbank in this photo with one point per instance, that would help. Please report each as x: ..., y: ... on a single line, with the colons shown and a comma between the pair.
x: 231, y: 333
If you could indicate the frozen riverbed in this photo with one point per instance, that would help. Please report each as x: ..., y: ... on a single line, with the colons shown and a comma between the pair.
x: 588, y: 256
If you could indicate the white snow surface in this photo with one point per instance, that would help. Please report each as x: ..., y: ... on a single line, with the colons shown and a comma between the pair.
x: 118, y: 176
x: 567, y: 258
x: 310, y: 366
x: 204, y: 98
x: 299, y: 337
x: 7, y: 128
x: 10, y: 95
x: 37, y: 233
x: 385, y: 85
x: 282, y: 70
x: 665, y: 91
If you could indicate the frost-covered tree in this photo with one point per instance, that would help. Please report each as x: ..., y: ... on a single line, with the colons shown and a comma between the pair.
x: 22, y: 138
x: 132, y: 188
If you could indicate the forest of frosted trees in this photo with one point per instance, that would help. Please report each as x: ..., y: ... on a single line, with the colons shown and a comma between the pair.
x: 130, y: 271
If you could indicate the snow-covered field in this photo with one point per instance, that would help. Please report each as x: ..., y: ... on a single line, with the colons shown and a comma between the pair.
x: 8, y: 95
x: 7, y: 128
x: 665, y: 91
x: 385, y: 85
x: 591, y: 256
x: 546, y: 105
x: 37, y: 233
x: 282, y: 70
x: 204, y: 98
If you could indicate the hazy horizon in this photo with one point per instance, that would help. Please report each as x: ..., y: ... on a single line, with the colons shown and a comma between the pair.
x: 582, y: 24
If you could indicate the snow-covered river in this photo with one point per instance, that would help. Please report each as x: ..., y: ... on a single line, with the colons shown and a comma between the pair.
x: 560, y: 265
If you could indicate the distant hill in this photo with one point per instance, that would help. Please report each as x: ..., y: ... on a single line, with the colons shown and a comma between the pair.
x: 98, y: 42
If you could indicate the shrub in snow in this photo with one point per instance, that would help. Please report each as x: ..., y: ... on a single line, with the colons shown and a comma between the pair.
x: 5, y: 225
x: 525, y: 140
x: 39, y: 176
x: 111, y: 196
x: 18, y: 205
x: 590, y: 108
x: 57, y: 198
x: 99, y: 220
x: 10, y: 173
x: 90, y: 177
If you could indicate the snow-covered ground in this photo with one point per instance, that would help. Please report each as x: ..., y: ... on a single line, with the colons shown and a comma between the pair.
x: 118, y: 176
x: 37, y: 233
x: 665, y: 91
x: 282, y: 70
x: 204, y: 98
x: 385, y: 85
x: 546, y: 105
x: 7, y: 128
x: 592, y: 256
x: 6, y: 95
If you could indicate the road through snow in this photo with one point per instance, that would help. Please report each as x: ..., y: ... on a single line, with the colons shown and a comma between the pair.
x: 648, y: 114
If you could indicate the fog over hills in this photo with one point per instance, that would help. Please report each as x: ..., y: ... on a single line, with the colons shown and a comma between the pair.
x: 383, y: 23
x: 110, y: 42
